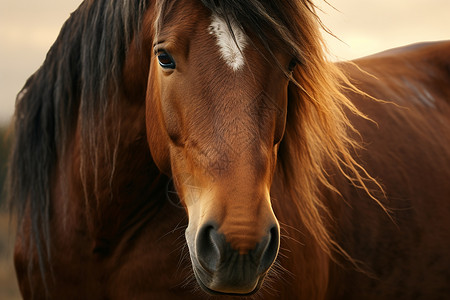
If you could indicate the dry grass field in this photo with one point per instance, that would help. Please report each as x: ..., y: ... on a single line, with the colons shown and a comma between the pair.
x: 8, y: 283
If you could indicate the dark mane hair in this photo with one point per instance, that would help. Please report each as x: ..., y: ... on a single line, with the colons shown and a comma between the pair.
x: 81, y: 68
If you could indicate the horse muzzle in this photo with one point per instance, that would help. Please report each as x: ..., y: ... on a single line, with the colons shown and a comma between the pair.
x: 222, y: 269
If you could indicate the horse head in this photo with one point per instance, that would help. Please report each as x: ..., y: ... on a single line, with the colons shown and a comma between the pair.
x: 216, y: 112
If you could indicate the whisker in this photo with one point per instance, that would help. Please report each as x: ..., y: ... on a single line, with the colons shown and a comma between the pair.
x: 177, y: 227
x: 291, y: 227
x: 285, y: 249
x: 292, y: 239
x: 279, y: 267
x: 183, y: 258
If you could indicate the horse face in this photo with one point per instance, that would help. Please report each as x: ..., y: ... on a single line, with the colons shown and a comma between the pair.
x: 215, y: 117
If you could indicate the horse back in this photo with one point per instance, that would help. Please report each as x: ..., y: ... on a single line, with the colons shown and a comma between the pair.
x: 406, y: 148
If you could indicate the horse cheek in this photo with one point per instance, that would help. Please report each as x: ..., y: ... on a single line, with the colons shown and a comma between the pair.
x: 157, y: 137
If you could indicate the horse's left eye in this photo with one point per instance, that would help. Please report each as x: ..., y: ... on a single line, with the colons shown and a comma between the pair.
x: 166, y: 61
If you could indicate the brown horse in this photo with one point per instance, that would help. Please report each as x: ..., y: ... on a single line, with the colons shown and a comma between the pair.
x: 292, y: 177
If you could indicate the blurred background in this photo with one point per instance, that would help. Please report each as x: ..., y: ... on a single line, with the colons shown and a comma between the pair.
x: 29, y: 27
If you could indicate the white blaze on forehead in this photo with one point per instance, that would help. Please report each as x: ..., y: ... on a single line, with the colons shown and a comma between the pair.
x: 232, y: 52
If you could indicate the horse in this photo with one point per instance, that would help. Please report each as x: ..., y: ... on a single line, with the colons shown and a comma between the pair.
x: 209, y: 149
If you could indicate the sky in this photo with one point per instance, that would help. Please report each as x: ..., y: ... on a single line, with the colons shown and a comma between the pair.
x: 29, y: 27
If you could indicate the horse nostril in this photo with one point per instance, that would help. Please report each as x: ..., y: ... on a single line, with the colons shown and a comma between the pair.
x: 209, y: 247
x: 213, y: 250
x: 269, y: 249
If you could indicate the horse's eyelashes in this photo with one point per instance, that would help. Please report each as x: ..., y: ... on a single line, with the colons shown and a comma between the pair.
x: 165, y: 60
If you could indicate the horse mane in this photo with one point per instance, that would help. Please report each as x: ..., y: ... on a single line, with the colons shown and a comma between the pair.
x: 318, y: 132
x: 77, y: 83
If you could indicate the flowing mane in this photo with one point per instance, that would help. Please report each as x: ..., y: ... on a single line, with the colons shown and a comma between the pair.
x: 83, y: 66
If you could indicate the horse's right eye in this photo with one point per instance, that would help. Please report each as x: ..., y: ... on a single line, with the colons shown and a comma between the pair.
x: 165, y: 60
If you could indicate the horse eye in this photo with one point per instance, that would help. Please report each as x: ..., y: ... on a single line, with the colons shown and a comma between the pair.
x: 165, y: 60
x: 292, y: 64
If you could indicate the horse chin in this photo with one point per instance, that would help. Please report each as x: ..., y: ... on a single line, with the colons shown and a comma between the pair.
x: 228, y: 291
